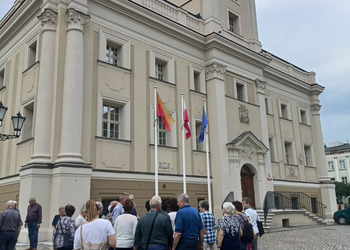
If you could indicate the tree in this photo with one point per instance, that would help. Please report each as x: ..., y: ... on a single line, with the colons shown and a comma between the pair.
x: 341, y: 190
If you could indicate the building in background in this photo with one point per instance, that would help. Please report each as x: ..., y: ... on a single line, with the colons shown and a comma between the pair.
x: 337, y: 158
x: 82, y: 72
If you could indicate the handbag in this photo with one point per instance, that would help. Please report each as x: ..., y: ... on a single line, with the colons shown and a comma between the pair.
x: 260, y: 227
x: 68, y: 242
x: 89, y: 245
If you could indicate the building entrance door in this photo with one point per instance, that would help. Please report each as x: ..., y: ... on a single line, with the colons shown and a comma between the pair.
x: 247, y: 184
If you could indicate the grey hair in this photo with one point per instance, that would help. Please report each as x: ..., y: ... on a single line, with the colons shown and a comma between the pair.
x: 32, y: 199
x: 99, y: 204
x: 83, y: 208
x: 183, y: 197
x: 229, y: 208
x: 155, y: 202
x: 11, y: 203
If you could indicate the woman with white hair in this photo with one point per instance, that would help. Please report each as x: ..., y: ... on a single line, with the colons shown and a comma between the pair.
x: 229, y: 229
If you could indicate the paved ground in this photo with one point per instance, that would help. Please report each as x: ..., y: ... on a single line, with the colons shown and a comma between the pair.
x: 333, y: 237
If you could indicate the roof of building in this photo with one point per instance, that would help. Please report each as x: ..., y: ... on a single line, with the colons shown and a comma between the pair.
x: 342, y: 147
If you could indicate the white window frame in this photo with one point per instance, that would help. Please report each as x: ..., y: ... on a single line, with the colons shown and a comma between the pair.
x: 124, y: 104
x: 169, y: 66
x: 287, y: 115
x: 342, y: 164
x: 330, y: 165
x: 28, y: 58
x: 194, y: 84
x: 28, y: 126
x: 308, y: 155
x: 304, y: 116
x: 236, y: 22
x: 289, y: 152
x: 171, y: 136
x: 237, y: 82
x: 344, y: 180
x: 122, y: 43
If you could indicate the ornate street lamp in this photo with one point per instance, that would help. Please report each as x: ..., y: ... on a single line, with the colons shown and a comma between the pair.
x: 17, y: 122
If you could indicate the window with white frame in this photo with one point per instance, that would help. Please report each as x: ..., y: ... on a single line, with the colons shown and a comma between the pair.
x: 114, y: 119
x: 199, y: 146
x: 165, y: 138
x: 28, y: 127
x: 162, y: 133
x: 289, y: 152
x: 303, y: 116
x: 344, y: 180
x: 330, y: 165
x: 284, y: 110
x: 2, y: 77
x: 32, y: 53
x: 114, y: 50
x: 233, y: 22
x: 113, y: 53
x: 197, y: 79
x: 162, y: 67
x: 272, y: 149
x: 342, y: 164
x: 308, y: 155
x: 240, y: 90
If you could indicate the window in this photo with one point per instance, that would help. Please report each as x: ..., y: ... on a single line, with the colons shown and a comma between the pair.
x: 114, y: 118
x: 113, y: 52
x: 308, y: 155
x: 344, y: 180
x: 197, y: 79
x: 162, y: 67
x: 288, y: 153
x: 240, y: 91
x: 303, y: 116
x: 199, y: 146
x: 284, y: 110
x: 272, y: 145
x: 342, y: 164
x: 165, y: 138
x: 2, y: 78
x: 111, y: 121
x: 330, y: 165
x: 28, y: 113
x: 233, y: 22
x: 162, y: 132
x: 32, y: 49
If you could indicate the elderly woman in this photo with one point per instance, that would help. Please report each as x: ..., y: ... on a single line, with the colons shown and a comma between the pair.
x: 229, y: 229
x: 82, y: 216
x: 95, y: 233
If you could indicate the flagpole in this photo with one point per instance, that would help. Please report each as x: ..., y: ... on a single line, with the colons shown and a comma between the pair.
x: 183, y: 144
x: 155, y: 143
x: 207, y: 160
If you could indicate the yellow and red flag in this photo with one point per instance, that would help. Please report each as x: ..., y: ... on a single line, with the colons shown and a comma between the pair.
x: 163, y: 112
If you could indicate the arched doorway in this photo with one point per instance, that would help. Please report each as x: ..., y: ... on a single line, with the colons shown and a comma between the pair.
x: 247, y: 184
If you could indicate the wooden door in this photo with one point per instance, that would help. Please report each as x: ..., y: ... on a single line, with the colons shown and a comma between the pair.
x: 248, y: 184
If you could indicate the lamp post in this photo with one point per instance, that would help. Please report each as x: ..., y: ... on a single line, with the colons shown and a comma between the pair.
x: 17, y: 122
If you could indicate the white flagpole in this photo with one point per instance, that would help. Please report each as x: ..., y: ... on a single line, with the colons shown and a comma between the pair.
x: 155, y: 142
x: 183, y: 144
x: 207, y: 159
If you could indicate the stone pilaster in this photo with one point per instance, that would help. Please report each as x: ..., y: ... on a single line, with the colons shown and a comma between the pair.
x: 72, y: 107
x: 43, y: 119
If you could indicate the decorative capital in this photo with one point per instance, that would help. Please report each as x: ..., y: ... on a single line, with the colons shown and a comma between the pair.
x: 215, y: 70
x: 316, y: 107
x: 76, y: 19
x: 48, y: 19
x: 261, y: 85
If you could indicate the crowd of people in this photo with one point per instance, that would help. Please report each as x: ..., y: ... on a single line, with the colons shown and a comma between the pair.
x: 169, y: 225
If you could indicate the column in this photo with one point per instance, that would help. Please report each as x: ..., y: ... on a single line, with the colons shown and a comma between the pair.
x: 252, y: 26
x: 336, y: 169
x: 72, y: 107
x: 43, y: 119
x: 211, y: 14
x: 217, y: 127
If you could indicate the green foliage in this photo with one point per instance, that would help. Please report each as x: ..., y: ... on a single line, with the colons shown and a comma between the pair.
x: 341, y: 190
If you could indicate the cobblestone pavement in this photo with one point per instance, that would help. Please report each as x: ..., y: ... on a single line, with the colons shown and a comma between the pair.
x: 334, y: 237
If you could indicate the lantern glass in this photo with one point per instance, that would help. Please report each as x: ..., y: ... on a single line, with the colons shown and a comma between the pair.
x: 17, y: 122
x: 3, y: 110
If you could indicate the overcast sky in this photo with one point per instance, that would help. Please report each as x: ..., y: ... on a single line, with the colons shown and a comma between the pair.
x: 315, y: 36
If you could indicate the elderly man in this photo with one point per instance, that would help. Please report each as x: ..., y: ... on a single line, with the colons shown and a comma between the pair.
x: 118, y: 210
x: 189, y: 230
x: 10, y: 226
x: 33, y: 221
x: 154, y: 229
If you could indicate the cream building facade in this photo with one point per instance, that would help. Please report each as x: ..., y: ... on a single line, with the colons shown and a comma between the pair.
x: 337, y: 157
x: 83, y: 74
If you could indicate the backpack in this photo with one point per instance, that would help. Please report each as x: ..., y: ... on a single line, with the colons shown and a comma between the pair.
x: 248, y: 232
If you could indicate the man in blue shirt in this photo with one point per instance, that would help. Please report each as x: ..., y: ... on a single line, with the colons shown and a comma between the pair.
x: 189, y: 230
